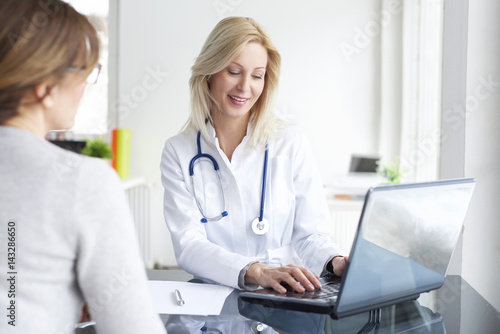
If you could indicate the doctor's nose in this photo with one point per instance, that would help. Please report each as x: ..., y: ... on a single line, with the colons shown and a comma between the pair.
x: 243, y: 84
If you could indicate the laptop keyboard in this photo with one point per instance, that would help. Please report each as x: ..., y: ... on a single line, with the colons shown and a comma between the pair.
x: 329, y: 289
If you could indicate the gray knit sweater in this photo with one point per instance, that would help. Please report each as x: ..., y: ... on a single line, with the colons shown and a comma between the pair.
x: 74, y: 241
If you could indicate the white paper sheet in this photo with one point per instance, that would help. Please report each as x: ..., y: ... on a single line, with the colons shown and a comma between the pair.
x: 200, y: 299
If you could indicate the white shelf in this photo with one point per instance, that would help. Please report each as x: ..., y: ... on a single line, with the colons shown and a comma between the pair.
x: 133, y: 182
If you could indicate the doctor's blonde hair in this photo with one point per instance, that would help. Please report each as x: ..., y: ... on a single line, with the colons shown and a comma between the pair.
x: 223, y: 45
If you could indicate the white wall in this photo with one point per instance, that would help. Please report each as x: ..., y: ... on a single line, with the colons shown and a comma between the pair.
x: 332, y: 94
x: 481, y: 240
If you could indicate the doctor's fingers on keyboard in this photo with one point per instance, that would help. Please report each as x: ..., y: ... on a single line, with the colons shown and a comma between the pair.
x: 295, y: 277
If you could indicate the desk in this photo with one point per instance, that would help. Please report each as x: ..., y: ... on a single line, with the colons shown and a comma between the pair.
x: 456, y: 308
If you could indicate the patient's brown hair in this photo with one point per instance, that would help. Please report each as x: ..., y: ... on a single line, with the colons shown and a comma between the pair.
x: 39, y: 40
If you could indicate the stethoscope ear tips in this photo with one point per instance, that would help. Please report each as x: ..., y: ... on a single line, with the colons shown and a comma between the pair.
x: 223, y: 214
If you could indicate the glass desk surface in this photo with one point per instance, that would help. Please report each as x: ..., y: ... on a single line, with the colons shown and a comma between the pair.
x: 455, y: 308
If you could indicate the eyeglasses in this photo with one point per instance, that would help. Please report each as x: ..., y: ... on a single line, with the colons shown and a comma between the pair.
x: 92, y: 77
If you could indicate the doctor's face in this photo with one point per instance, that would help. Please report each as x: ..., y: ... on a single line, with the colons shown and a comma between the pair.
x: 239, y: 86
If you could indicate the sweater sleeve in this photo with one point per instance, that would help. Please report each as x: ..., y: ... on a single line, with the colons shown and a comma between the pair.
x: 109, y: 269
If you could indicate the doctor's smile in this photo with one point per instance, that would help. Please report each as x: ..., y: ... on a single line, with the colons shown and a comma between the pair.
x: 238, y: 100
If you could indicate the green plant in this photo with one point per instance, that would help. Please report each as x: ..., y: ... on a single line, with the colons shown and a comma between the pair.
x: 97, y: 148
x: 392, y: 172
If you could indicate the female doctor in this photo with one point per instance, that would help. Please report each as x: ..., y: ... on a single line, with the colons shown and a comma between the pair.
x: 243, y: 198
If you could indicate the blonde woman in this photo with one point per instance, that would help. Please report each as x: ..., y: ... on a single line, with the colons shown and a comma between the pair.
x: 243, y: 199
x: 65, y: 228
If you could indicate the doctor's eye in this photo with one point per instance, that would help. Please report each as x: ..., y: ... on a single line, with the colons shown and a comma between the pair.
x: 233, y: 72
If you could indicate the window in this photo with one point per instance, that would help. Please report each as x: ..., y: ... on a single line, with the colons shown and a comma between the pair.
x: 92, y: 116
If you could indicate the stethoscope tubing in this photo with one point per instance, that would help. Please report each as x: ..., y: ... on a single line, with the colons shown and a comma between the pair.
x: 201, y: 155
x: 264, y: 183
x: 224, y: 213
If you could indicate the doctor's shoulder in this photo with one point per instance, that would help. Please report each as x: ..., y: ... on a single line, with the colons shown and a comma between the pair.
x: 178, y: 148
x: 181, y: 140
x: 290, y: 138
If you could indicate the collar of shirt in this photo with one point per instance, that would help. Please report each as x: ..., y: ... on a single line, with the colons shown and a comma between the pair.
x: 239, y: 150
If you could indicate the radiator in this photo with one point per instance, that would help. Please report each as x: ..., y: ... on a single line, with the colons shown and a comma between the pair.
x: 138, y: 193
x: 345, y: 216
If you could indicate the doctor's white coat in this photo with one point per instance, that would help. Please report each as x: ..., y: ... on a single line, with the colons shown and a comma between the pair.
x: 295, y: 206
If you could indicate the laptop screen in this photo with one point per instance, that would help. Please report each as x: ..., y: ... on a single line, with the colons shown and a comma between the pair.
x: 404, y: 243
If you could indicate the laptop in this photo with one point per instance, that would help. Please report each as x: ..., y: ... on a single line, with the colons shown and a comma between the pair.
x: 403, y: 246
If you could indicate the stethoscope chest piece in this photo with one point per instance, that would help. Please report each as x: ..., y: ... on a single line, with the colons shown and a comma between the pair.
x: 260, y: 227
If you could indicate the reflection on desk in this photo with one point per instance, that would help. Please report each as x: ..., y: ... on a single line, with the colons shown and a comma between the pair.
x: 241, y: 317
x: 407, y: 317
x: 229, y: 321
x: 455, y: 308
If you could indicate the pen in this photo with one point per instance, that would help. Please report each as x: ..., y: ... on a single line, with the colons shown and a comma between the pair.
x: 178, y: 297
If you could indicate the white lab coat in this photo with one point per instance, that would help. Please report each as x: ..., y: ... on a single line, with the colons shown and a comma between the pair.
x: 295, y: 206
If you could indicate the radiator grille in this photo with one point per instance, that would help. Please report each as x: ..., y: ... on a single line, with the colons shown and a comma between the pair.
x: 138, y: 193
x: 345, y: 217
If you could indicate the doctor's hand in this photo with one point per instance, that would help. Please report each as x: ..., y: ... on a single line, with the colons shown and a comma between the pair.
x: 296, y: 277
x: 338, y: 264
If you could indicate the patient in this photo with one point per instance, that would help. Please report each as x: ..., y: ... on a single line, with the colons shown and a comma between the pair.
x: 65, y: 228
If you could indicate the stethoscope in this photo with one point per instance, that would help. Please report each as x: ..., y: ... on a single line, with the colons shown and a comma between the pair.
x: 260, y: 225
